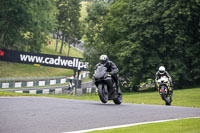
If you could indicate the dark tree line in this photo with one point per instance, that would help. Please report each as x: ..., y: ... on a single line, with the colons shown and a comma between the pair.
x: 25, y: 24
x: 141, y: 35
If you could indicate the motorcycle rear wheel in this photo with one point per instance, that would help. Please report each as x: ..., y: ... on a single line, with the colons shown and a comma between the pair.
x: 103, y: 93
x: 168, y: 101
x: 118, y: 100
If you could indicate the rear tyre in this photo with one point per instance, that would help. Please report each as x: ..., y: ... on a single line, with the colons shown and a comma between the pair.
x: 118, y: 100
x: 103, y: 93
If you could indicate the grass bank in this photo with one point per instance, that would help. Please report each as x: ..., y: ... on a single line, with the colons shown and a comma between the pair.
x: 184, y: 97
x: 8, y: 69
x: 187, y: 97
x: 12, y: 94
x: 83, y: 10
x: 177, y: 126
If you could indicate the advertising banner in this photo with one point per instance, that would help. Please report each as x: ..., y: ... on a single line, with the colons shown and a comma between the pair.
x: 43, y: 59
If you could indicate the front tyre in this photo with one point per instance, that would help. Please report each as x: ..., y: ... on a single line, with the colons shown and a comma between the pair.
x: 103, y: 93
x: 118, y: 100
x: 162, y: 92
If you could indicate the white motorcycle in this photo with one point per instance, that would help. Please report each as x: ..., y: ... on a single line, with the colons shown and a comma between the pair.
x: 164, y: 89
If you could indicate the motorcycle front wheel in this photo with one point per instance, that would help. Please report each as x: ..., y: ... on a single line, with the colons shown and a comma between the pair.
x: 163, y: 94
x: 103, y: 93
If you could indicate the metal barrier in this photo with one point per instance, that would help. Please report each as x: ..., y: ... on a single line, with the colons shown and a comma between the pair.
x: 58, y: 91
x: 30, y: 82
x: 36, y: 81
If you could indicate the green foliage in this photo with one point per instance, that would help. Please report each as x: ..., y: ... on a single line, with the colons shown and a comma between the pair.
x: 141, y: 35
x: 94, y: 43
x: 83, y: 12
x: 68, y: 20
x: 25, y: 24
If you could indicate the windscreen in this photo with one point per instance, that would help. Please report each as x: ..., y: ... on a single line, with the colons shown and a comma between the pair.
x: 100, y: 72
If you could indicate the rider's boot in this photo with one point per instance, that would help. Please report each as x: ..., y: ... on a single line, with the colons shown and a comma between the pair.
x: 119, y: 92
x: 171, y: 90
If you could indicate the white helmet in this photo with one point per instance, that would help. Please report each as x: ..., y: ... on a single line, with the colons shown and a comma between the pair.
x: 103, y: 59
x: 161, y: 70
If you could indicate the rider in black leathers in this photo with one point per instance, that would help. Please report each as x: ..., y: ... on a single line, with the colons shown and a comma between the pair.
x: 111, y: 69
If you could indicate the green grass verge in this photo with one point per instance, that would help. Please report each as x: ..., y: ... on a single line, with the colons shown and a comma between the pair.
x: 50, y: 49
x: 9, y: 69
x: 187, y: 97
x: 12, y: 94
x: 177, y: 126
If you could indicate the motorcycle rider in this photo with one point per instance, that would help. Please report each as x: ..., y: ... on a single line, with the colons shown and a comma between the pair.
x: 162, y: 72
x: 111, y: 69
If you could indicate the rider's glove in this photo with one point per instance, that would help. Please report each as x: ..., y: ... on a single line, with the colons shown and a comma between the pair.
x: 111, y: 73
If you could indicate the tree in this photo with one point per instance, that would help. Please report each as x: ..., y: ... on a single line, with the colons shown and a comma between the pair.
x: 94, y: 43
x: 26, y: 24
x: 141, y: 35
x: 68, y: 21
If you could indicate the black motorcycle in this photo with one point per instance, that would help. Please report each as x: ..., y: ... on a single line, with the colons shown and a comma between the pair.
x: 106, y: 86
x: 163, y: 84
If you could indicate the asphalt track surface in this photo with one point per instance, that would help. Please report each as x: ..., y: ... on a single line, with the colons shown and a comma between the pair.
x: 56, y: 115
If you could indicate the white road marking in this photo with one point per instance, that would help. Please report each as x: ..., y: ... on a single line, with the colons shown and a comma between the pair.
x: 127, y: 125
